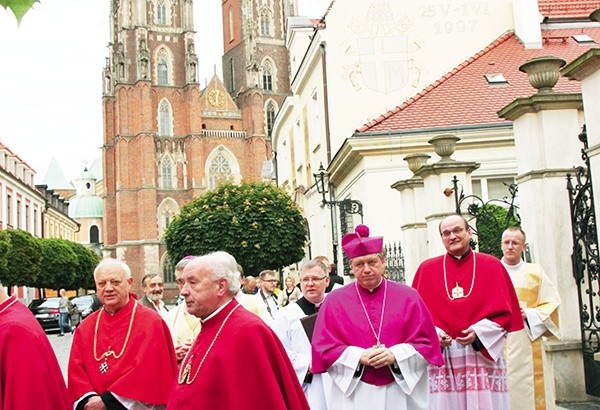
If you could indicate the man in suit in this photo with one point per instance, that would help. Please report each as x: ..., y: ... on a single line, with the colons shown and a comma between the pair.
x: 152, y: 285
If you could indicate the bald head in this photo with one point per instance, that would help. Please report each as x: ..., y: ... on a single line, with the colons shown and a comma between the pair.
x: 456, y: 235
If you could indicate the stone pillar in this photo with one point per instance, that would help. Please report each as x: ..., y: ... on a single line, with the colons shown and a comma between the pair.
x: 546, y: 126
x: 412, y: 220
x: 586, y: 68
x: 437, y: 179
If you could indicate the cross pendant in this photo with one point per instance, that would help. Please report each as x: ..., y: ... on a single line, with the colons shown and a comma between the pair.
x: 458, y: 292
x: 103, y: 367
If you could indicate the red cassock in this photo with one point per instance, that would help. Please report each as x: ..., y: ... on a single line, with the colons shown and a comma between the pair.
x: 145, y: 371
x: 492, y: 297
x: 30, y: 377
x: 246, y: 367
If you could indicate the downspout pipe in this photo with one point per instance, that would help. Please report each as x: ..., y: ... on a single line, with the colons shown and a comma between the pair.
x: 326, y: 101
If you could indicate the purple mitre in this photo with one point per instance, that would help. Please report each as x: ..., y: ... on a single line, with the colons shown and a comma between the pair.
x: 360, y: 243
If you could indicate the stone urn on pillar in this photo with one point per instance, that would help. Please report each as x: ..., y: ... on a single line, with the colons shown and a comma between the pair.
x: 444, y: 145
x: 595, y: 15
x: 416, y: 160
x: 543, y: 72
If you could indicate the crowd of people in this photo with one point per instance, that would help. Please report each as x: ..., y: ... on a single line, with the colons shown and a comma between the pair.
x: 465, y: 335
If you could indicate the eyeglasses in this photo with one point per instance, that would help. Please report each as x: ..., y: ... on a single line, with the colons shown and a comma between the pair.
x: 273, y: 281
x: 455, y: 231
x: 313, y: 280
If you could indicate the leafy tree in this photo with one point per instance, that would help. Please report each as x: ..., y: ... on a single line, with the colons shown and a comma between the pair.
x: 59, y: 264
x: 257, y: 223
x: 4, y: 248
x: 492, y: 220
x: 86, y: 263
x: 24, y: 260
x: 18, y: 7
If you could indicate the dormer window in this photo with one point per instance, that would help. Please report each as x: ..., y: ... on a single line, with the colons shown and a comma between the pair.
x: 496, y: 78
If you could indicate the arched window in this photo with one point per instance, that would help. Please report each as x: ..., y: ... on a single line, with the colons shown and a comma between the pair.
x: 168, y: 273
x: 162, y: 73
x: 267, y: 79
x: 219, y: 171
x: 167, y: 173
x: 265, y: 24
x: 94, y: 234
x: 165, y: 119
x: 231, y: 37
x: 270, y: 113
x: 167, y: 209
x: 161, y: 13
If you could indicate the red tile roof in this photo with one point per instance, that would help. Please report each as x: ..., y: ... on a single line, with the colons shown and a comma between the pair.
x: 567, y: 8
x: 464, y: 97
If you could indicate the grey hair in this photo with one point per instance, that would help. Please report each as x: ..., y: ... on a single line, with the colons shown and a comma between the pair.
x: 183, y: 263
x: 113, y: 262
x: 313, y: 263
x: 223, y: 265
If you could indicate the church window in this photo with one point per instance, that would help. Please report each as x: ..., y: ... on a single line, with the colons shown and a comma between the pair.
x: 94, y: 234
x: 267, y: 79
x: 231, y: 76
x: 270, y: 117
x: 265, y: 24
x: 168, y: 272
x: 161, y: 13
x: 167, y: 209
x: 165, y: 119
x: 162, y: 72
x: 167, y: 173
x: 220, y: 171
x: 231, y: 36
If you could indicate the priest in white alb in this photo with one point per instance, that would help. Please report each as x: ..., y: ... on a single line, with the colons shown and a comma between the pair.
x: 530, y: 378
x: 293, y: 327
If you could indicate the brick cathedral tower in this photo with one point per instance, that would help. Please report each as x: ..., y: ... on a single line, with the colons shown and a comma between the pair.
x: 166, y: 141
x: 256, y: 69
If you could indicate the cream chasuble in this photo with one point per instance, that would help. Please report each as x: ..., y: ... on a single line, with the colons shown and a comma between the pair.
x: 530, y: 379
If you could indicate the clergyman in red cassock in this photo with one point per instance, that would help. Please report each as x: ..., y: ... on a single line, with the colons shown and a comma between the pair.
x: 236, y: 362
x: 122, y: 354
x: 30, y: 377
x: 473, y: 304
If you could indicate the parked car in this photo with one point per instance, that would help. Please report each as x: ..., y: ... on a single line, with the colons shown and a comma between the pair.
x: 34, y: 304
x: 86, y: 304
x: 47, y: 314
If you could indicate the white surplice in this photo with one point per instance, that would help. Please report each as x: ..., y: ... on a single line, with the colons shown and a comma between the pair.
x: 288, y: 328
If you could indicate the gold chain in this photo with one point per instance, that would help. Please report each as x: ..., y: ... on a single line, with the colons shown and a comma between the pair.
x: 110, y: 352
x: 184, y: 371
x: 446, y: 281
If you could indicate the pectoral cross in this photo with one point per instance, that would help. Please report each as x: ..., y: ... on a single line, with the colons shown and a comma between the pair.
x: 103, y: 367
x: 458, y: 292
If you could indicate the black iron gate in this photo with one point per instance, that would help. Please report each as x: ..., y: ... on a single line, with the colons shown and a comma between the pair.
x: 492, y: 217
x: 586, y: 267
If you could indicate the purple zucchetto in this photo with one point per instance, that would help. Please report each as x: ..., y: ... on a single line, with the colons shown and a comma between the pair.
x: 360, y: 244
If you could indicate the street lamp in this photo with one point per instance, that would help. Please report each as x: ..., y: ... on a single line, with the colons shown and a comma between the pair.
x: 347, y: 206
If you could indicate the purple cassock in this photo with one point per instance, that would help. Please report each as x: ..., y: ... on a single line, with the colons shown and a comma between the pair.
x: 342, y: 322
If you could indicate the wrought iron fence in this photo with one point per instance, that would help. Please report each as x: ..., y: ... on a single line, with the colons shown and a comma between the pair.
x: 394, y: 262
x: 487, y: 219
x: 586, y: 265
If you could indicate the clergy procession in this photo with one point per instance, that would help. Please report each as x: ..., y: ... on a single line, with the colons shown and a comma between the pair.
x: 465, y: 335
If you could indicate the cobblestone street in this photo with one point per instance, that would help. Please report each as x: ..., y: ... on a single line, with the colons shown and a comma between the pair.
x: 62, y: 348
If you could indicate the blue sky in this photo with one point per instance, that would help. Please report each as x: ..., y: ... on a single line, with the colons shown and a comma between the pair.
x: 63, y: 42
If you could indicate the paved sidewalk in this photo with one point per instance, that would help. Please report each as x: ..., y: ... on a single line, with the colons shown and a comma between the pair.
x: 579, y: 406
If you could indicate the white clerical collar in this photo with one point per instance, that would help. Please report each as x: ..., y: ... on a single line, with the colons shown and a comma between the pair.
x: 512, y: 267
x: 213, y: 314
x: 459, y: 257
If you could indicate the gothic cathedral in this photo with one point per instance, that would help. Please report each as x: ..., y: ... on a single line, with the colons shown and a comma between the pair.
x: 166, y: 140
